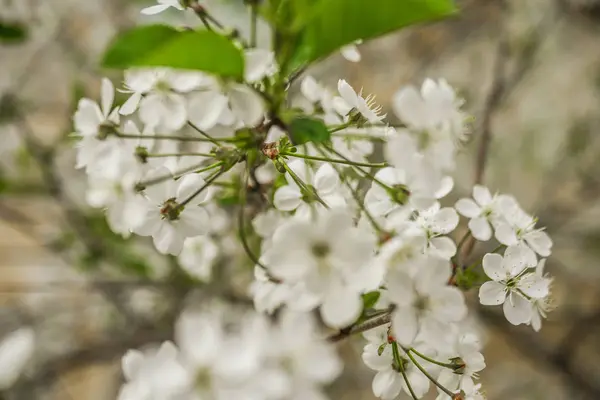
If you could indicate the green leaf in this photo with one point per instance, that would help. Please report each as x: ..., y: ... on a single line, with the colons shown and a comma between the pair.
x: 370, y: 299
x: 304, y: 129
x: 12, y: 32
x: 335, y: 23
x: 164, y: 46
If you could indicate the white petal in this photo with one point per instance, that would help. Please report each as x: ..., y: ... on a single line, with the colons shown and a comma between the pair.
x: 410, y: 107
x: 131, y: 363
x: 446, y: 185
x: 492, y: 293
x: 107, y: 97
x: 347, y: 93
x: 188, y: 185
x: 540, y: 242
x: 405, y: 325
x: 482, y: 195
x: 153, y: 10
x: 205, y: 108
x: 15, y: 352
x: 445, y: 220
x: 534, y: 286
x: 246, y: 104
x: 326, y: 179
x: 443, y: 246
x: 387, y: 384
x: 259, y: 63
x: 341, y: 307
x: 194, y: 221
x: 480, y: 228
x: 517, y: 309
x: 287, y: 198
x: 131, y: 104
x: 505, y: 234
x: 493, y: 265
x: 351, y: 53
x: 448, y: 304
x: 467, y: 208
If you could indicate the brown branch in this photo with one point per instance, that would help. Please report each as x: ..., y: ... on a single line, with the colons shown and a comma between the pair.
x: 361, y: 327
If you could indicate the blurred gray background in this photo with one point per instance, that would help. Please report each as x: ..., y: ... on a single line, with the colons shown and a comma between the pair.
x: 529, y: 71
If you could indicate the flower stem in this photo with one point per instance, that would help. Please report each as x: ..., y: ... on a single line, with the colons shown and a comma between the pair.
x: 362, y: 171
x: 143, y: 184
x: 400, y: 364
x: 205, y: 134
x: 340, y: 127
x: 208, y: 182
x: 346, y: 162
x: 427, y: 374
x: 173, y: 137
x: 431, y: 360
x: 208, y: 168
x: 179, y: 155
x: 301, y: 184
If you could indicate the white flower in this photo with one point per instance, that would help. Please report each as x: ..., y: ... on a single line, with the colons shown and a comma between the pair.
x: 158, y: 93
x: 328, y: 255
x: 433, y: 112
x: 350, y: 52
x: 540, y: 306
x: 156, y: 374
x: 16, y: 350
x: 408, y: 193
x: 433, y: 223
x: 162, y: 6
x: 260, y: 63
x: 353, y: 101
x: 388, y: 382
x: 167, y: 220
x: 226, y: 104
x: 511, y: 285
x: 468, y: 352
x: 519, y: 227
x: 269, y: 296
x: 90, y: 118
x: 198, y: 256
x: 425, y: 304
x: 484, y: 212
x: 325, y: 182
x: 301, y: 354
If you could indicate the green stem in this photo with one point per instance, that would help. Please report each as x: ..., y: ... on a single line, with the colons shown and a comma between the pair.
x: 362, y: 171
x: 431, y: 360
x: 208, y: 168
x: 208, y: 182
x: 340, y: 127
x: 172, y: 137
x: 301, y: 184
x: 242, y: 232
x: 357, y: 199
x: 427, y: 374
x: 358, y: 136
x: 400, y: 365
x: 346, y: 162
x: 143, y: 184
x: 179, y: 155
x: 205, y: 134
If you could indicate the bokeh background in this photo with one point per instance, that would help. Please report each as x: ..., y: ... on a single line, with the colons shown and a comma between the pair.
x: 529, y: 71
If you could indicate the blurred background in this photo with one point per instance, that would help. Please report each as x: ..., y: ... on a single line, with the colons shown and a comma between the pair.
x: 529, y: 71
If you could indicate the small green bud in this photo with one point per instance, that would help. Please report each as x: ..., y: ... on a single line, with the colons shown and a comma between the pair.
x: 141, y: 153
x: 381, y: 349
x: 279, y: 166
x: 400, y: 194
x: 105, y: 130
x: 458, y: 365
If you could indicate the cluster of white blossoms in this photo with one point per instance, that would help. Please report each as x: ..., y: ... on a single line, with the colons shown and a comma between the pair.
x: 370, y: 246
x: 225, y: 353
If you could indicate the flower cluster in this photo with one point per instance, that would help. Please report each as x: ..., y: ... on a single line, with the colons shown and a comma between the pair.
x: 368, y: 245
x: 242, y: 355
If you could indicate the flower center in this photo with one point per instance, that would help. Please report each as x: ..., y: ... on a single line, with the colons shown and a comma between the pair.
x: 400, y: 194
x: 421, y: 303
x: 321, y: 249
x: 171, y: 210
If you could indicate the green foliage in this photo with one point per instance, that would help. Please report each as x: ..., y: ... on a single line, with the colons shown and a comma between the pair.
x: 160, y: 45
x: 304, y: 129
x: 370, y: 299
x: 12, y: 33
x: 327, y: 25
